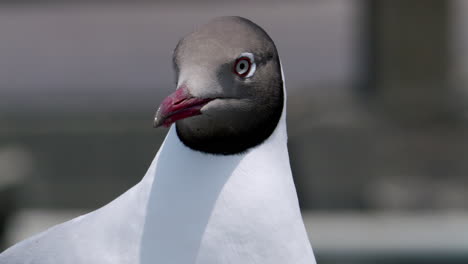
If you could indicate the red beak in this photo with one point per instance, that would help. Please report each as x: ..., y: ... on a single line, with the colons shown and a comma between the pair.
x: 179, y: 105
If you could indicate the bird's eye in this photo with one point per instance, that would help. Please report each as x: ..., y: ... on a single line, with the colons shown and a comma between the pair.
x: 242, y: 66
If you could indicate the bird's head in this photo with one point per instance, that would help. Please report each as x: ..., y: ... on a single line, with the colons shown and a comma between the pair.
x: 229, y: 94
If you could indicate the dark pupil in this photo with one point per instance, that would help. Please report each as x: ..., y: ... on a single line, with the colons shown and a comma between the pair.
x: 242, y: 65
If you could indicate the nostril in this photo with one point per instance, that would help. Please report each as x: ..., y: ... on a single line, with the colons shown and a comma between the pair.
x: 180, y: 101
x: 181, y: 94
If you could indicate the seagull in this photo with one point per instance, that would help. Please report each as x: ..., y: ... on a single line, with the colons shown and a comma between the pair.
x: 220, y: 189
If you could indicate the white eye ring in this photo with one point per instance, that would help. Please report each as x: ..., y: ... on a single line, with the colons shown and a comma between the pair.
x: 245, y: 65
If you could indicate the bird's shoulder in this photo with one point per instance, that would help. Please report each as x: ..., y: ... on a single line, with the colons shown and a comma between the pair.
x: 96, y: 237
x: 46, y: 247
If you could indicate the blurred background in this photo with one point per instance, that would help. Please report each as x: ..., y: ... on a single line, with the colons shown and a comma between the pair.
x: 377, y: 114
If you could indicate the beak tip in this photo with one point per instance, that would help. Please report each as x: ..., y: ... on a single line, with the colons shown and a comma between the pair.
x: 157, y: 123
x: 158, y: 119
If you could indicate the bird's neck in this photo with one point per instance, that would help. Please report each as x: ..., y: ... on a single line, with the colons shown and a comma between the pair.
x: 200, y: 203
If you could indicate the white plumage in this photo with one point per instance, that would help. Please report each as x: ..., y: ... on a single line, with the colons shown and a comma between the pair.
x: 190, y: 207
